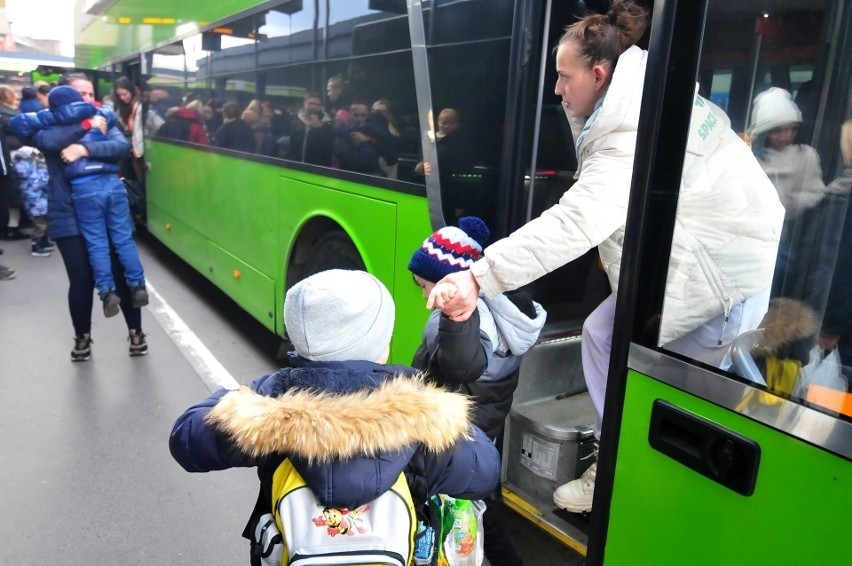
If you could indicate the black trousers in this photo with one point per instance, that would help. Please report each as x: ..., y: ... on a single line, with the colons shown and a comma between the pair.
x: 81, y: 286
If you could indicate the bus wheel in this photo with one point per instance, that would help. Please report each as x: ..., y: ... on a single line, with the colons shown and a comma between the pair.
x: 334, y: 250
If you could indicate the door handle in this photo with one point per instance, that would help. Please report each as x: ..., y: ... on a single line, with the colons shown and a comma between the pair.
x: 713, y: 451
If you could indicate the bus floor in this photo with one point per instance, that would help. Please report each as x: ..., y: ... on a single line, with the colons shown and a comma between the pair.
x: 87, y: 476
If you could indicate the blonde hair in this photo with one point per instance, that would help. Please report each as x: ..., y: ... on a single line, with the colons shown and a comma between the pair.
x: 8, y: 96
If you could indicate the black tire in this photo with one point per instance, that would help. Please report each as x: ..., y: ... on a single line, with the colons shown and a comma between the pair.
x: 333, y: 250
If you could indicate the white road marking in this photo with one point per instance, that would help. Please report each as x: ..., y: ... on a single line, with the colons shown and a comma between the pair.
x: 211, y: 371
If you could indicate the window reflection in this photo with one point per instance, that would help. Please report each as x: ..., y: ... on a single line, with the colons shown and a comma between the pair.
x: 293, y: 86
x: 776, y: 87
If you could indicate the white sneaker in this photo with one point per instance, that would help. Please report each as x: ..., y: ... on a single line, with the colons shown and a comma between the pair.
x: 576, y: 496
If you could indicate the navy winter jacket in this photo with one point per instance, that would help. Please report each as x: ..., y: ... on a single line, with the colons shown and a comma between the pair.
x: 343, y: 469
x: 72, y: 114
x: 62, y: 221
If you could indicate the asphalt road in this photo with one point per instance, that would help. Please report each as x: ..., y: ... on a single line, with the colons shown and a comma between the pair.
x: 86, y: 476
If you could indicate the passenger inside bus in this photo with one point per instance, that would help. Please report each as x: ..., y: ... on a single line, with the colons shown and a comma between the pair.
x: 459, y: 191
x: 709, y: 300
x: 382, y: 107
x: 185, y: 124
x: 364, y: 144
x: 812, y: 222
x: 234, y: 133
x: 339, y: 95
x: 311, y: 136
x: 213, y: 118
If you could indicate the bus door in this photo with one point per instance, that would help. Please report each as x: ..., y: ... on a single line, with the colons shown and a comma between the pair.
x: 549, y: 432
x: 747, y: 463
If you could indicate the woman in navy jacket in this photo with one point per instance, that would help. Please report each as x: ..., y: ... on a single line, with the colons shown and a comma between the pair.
x: 63, y: 144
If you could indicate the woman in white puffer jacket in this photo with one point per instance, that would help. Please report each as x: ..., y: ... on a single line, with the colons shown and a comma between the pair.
x: 727, y: 231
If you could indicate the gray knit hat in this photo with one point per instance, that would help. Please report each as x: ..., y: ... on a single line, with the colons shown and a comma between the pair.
x: 339, y: 315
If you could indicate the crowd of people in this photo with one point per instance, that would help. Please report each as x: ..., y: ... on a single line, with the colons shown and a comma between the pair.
x: 361, y: 137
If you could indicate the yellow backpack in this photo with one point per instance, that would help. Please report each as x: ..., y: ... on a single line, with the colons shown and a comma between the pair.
x: 380, y: 532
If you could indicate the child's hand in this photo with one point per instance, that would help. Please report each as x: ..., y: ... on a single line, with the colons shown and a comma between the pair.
x: 456, y: 295
x: 444, y: 290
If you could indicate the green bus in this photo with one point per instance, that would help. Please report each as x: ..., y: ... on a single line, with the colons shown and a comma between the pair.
x: 697, y: 465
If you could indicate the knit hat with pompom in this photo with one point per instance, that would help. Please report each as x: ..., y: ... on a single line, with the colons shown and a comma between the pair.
x: 450, y: 249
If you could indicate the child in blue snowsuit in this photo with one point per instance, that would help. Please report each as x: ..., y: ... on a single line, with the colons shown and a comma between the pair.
x: 100, y: 200
x: 33, y: 176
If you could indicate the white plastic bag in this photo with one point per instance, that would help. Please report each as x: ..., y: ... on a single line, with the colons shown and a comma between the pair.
x: 822, y: 369
x: 465, y: 543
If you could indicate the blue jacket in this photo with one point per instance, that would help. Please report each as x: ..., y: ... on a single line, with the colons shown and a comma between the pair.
x: 350, y: 429
x: 71, y: 114
x: 62, y: 221
x: 30, y: 105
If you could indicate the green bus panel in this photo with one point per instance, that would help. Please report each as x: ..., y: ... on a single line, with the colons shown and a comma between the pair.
x: 243, y: 283
x: 665, y: 513
x: 179, y: 237
x: 132, y: 26
x: 222, y: 196
x: 237, y: 221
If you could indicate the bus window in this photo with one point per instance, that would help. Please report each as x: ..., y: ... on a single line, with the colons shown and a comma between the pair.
x: 470, y: 101
x: 780, y: 349
x: 720, y: 88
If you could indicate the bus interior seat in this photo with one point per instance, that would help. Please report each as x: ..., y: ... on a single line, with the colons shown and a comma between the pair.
x: 741, y: 356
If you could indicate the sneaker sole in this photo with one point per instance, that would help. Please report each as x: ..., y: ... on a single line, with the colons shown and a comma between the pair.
x: 80, y: 358
x: 138, y: 354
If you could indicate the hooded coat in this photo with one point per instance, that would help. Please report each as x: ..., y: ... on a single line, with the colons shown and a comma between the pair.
x: 350, y: 429
x: 482, y: 355
x: 728, y: 224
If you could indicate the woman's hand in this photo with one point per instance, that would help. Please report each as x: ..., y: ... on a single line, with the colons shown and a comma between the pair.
x: 74, y: 152
x: 423, y: 168
x: 456, y: 295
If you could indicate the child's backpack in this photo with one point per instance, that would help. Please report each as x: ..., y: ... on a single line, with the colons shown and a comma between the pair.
x: 380, y: 532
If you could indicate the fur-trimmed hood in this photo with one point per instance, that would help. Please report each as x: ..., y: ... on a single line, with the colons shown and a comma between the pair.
x: 787, y: 322
x: 323, y: 425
